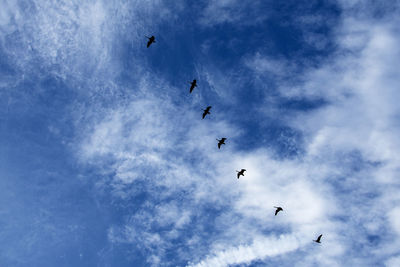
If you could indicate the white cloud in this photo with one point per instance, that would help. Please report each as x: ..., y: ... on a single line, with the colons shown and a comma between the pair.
x: 211, y: 179
x: 361, y: 114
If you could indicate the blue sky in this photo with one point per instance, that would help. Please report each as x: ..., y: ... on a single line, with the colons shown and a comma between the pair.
x: 105, y: 160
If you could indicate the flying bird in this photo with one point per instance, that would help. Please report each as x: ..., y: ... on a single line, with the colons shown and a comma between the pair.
x: 278, y: 209
x: 318, y: 239
x: 193, y: 85
x: 221, y: 142
x: 241, y: 172
x: 152, y: 39
x: 206, y: 111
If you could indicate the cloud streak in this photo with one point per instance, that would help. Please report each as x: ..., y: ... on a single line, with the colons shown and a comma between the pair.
x: 244, y: 254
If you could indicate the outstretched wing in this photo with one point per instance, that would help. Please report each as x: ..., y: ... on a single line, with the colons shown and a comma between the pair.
x: 319, y: 238
x: 219, y: 145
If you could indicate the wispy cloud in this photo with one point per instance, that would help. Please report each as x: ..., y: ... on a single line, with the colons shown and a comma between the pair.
x: 232, y: 11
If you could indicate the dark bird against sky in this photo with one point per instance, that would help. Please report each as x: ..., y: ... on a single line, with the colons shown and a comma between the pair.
x: 278, y: 209
x: 193, y: 85
x: 221, y: 142
x: 241, y: 172
x: 206, y: 111
x: 152, y: 39
x: 318, y: 240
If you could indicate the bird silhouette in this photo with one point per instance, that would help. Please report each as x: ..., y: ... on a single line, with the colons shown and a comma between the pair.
x: 241, y: 172
x: 278, y: 209
x: 318, y: 239
x: 152, y: 39
x: 193, y: 85
x: 206, y: 111
x: 221, y: 142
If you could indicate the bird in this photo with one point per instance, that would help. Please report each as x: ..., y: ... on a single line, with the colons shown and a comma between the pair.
x: 152, y: 39
x: 193, y: 85
x: 318, y: 239
x: 221, y: 142
x: 278, y: 209
x: 241, y: 172
x: 206, y: 111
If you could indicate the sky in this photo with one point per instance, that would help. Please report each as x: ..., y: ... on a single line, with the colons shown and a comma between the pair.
x: 105, y: 160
